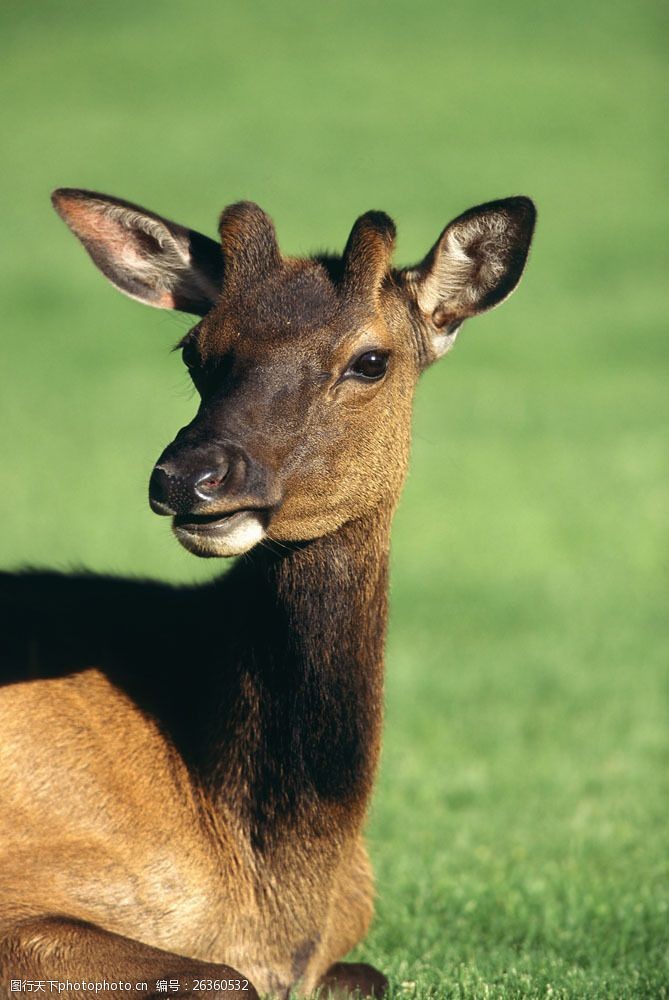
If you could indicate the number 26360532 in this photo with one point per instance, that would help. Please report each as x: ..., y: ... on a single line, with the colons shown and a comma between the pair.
x: 206, y: 985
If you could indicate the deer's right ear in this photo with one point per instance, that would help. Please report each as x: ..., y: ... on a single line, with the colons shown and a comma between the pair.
x: 475, y: 264
x: 145, y: 256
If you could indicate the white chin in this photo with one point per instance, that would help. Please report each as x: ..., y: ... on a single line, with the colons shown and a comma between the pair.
x: 229, y: 536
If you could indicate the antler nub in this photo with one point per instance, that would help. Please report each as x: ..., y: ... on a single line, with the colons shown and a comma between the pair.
x: 368, y: 254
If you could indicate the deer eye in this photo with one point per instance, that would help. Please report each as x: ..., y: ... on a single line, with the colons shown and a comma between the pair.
x: 189, y: 355
x: 370, y: 366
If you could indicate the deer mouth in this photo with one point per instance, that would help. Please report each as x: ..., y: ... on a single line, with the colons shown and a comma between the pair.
x: 229, y: 534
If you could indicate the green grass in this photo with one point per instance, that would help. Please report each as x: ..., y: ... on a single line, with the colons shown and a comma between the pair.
x: 519, y: 829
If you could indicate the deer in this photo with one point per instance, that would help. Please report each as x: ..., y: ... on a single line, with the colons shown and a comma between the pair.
x: 185, y: 771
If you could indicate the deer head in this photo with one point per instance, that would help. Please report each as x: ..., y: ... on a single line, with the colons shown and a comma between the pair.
x: 305, y: 368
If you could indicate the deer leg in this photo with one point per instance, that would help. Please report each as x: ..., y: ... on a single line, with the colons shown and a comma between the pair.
x: 350, y: 915
x: 352, y: 979
x: 69, y: 953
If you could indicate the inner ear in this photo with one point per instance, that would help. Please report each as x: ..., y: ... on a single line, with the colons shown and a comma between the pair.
x: 148, y: 258
x: 476, y: 263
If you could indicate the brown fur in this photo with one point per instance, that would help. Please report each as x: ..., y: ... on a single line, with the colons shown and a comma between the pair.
x: 185, y: 773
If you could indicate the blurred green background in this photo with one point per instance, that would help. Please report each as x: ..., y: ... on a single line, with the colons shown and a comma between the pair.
x: 519, y: 827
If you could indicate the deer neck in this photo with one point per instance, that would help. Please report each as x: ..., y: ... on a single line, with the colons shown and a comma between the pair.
x: 297, y: 732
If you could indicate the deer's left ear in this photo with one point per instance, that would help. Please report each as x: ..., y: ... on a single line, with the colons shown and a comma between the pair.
x: 145, y: 256
x: 474, y: 265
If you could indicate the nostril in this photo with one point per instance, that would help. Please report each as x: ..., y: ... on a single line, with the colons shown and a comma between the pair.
x: 211, y: 481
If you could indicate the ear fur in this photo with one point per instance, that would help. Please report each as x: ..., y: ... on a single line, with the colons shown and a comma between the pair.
x: 475, y: 264
x: 146, y: 257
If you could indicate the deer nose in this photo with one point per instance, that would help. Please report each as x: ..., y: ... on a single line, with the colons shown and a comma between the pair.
x: 173, y: 491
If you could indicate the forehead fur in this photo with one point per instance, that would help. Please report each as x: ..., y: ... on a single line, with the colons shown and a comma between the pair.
x: 266, y: 296
x: 301, y: 291
x: 298, y: 297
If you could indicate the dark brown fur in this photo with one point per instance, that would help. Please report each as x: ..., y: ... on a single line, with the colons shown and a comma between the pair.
x: 185, y: 772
